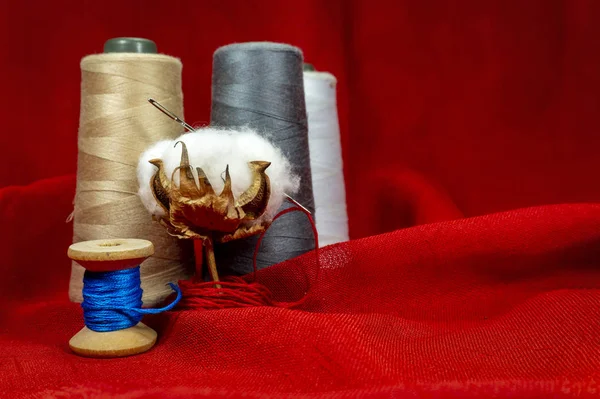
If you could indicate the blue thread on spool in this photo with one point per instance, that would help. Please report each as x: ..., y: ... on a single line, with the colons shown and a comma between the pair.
x: 112, y: 300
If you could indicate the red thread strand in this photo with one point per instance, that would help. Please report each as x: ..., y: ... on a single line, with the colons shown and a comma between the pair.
x: 236, y: 291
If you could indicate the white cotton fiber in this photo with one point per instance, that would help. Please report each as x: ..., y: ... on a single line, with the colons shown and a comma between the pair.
x: 146, y: 171
x: 212, y: 150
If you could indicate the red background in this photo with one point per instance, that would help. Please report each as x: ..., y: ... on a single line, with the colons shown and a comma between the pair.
x: 448, y: 110
x: 493, y: 102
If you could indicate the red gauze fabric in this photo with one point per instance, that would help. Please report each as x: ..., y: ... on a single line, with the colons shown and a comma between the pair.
x: 471, y: 126
x: 501, y: 305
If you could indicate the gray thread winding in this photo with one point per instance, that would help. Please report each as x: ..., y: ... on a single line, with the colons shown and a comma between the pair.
x: 260, y: 85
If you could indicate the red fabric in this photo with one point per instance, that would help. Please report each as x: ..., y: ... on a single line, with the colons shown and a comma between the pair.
x: 506, y: 304
x: 448, y: 110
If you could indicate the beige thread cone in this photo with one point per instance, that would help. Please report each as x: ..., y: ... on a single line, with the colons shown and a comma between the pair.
x: 116, y: 125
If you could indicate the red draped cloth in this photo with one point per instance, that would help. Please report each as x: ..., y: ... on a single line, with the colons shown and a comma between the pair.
x: 471, y: 150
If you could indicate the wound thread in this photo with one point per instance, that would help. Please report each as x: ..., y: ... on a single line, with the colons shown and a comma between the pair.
x: 326, y: 157
x: 116, y: 125
x: 260, y: 85
x: 112, y: 300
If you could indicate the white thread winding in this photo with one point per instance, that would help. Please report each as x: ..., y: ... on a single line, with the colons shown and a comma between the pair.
x: 326, y: 157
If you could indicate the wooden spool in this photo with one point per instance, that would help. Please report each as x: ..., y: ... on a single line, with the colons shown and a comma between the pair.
x: 111, y: 255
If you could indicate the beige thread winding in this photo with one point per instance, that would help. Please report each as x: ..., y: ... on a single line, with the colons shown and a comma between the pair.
x: 116, y: 125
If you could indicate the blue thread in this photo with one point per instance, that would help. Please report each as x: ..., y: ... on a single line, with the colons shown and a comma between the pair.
x: 113, y: 300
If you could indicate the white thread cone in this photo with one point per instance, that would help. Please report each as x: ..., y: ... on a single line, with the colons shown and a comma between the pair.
x: 326, y: 157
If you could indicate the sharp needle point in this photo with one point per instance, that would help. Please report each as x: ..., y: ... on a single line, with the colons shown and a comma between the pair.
x: 293, y: 201
x: 171, y: 115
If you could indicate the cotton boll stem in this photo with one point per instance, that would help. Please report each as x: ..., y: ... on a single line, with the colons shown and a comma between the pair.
x: 210, y: 260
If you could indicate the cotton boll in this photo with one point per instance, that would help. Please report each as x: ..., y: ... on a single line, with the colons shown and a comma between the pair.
x: 214, y: 149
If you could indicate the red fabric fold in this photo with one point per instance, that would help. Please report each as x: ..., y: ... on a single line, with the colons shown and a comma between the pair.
x: 500, y: 305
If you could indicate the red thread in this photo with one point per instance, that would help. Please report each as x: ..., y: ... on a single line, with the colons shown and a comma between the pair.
x: 236, y: 291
